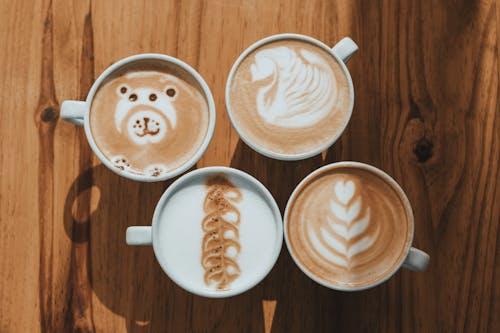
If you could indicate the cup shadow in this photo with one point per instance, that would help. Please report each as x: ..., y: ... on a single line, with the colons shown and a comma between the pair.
x: 293, y: 294
x: 127, y: 280
x: 99, y: 207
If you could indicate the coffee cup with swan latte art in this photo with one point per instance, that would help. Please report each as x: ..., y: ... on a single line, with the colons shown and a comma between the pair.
x: 349, y: 226
x: 290, y: 96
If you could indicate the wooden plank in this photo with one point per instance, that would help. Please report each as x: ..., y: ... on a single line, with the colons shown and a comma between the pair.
x: 21, y: 116
x: 427, y: 111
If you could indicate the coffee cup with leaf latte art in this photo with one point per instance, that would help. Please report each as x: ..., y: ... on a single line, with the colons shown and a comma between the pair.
x: 349, y: 226
x: 290, y: 96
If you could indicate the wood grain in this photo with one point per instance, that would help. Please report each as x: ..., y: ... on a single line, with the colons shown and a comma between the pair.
x: 427, y: 111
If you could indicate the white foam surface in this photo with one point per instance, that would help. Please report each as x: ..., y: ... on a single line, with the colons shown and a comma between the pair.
x: 180, y: 235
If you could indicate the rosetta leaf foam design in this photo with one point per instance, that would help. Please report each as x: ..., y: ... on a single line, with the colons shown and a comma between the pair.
x: 344, y: 232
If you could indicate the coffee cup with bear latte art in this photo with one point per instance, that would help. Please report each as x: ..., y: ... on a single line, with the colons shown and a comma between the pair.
x: 148, y: 117
x: 290, y: 96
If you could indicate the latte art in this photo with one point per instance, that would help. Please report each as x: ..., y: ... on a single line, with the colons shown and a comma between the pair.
x: 221, y: 244
x: 218, y: 233
x: 289, y: 97
x: 149, y: 120
x: 153, y: 113
x: 344, y: 234
x: 347, y: 227
x: 299, y: 87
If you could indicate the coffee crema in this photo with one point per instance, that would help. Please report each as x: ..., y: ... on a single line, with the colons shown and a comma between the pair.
x: 348, y: 227
x: 149, y: 119
x: 289, y: 97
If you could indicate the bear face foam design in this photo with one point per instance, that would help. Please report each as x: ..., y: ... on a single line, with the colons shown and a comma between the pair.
x: 299, y: 87
x: 148, y: 112
x: 344, y: 233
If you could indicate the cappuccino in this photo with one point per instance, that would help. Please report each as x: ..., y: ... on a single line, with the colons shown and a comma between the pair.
x: 289, y: 97
x: 149, y: 119
x: 217, y: 234
x: 348, y: 226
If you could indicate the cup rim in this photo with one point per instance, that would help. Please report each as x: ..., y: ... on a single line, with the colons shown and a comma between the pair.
x: 165, y: 58
x: 268, y: 198
x: 385, y: 177
x: 263, y: 150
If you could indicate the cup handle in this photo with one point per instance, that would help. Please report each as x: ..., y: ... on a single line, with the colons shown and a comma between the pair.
x: 139, y: 235
x: 416, y: 260
x: 345, y: 49
x: 74, y: 111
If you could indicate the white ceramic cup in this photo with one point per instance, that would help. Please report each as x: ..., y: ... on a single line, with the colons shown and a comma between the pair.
x: 341, y: 52
x: 78, y: 113
x: 151, y: 235
x: 413, y: 259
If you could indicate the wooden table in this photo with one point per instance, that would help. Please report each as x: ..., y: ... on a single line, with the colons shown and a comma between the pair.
x: 427, y: 112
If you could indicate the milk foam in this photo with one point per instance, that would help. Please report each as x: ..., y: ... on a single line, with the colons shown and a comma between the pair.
x: 343, y: 233
x: 289, y: 97
x: 149, y: 120
x: 153, y: 117
x: 181, y: 237
x: 302, y: 89
x: 347, y: 227
x: 221, y: 241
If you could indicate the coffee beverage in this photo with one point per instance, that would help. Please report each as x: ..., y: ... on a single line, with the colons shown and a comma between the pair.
x: 149, y: 118
x: 289, y: 97
x: 217, y: 233
x: 348, y: 226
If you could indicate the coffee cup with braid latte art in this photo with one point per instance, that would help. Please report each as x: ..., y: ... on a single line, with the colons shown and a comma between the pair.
x: 216, y: 232
x: 290, y: 96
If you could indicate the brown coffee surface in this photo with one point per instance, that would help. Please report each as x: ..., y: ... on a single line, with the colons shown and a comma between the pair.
x: 149, y: 119
x: 222, y: 219
x: 289, y: 97
x: 348, y: 227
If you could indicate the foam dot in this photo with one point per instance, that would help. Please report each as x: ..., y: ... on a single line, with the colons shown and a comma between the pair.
x: 171, y: 92
x: 231, y: 252
x: 231, y: 216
